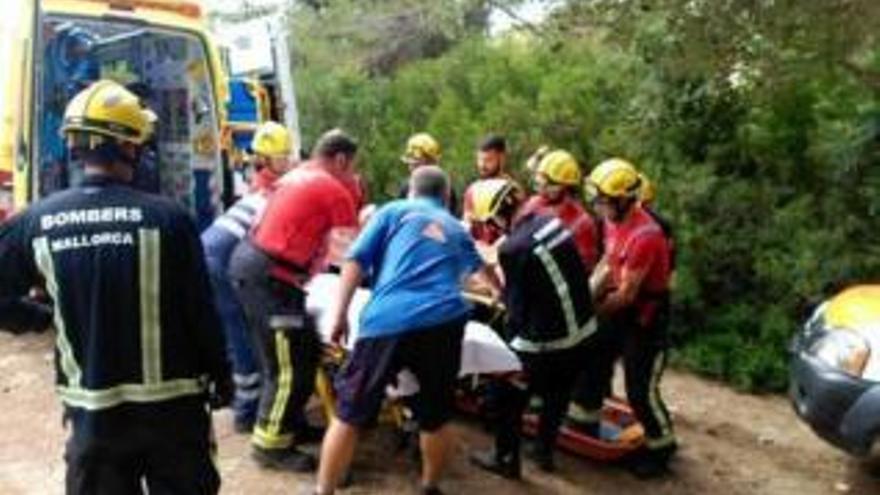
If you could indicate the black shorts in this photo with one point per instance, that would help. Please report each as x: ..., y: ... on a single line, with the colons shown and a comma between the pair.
x: 432, y: 354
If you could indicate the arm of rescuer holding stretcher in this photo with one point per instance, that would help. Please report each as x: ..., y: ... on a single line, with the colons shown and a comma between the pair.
x: 632, y: 275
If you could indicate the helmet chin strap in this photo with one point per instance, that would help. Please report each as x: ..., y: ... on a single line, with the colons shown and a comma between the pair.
x: 622, y: 207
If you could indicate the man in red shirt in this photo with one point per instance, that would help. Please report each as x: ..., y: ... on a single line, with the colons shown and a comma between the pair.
x: 310, y: 209
x: 491, y: 162
x: 557, y: 180
x: 633, y: 302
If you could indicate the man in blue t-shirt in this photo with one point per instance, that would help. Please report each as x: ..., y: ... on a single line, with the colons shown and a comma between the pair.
x: 418, y: 256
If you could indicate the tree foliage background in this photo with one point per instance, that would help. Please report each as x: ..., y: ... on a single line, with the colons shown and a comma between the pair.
x: 758, y: 119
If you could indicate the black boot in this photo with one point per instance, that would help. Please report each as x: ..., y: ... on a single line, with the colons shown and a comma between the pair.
x: 542, y: 454
x: 307, y: 434
x: 507, y: 466
x: 289, y: 459
x: 648, y: 464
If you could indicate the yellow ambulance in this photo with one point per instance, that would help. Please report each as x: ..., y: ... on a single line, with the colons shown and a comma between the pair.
x: 159, y: 49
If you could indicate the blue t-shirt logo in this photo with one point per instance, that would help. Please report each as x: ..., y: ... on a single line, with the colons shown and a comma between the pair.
x: 435, y: 232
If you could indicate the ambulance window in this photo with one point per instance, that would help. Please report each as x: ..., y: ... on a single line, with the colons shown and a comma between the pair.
x: 170, y: 72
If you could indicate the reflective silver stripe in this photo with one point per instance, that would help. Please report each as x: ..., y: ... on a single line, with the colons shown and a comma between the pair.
x: 546, y: 230
x: 559, y: 239
x: 660, y: 415
x: 93, y: 400
x: 232, y: 226
x: 151, y: 325
x: 46, y: 264
x: 575, y: 334
x: 247, y: 395
x: 284, y: 322
x: 248, y: 380
x: 571, y: 340
x: 241, y: 216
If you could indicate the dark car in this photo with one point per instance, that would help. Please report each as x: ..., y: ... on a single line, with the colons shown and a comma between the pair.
x: 835, y: 371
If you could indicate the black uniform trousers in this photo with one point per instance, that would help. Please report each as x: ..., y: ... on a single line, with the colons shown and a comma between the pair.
x: 644, y: 350
x: 550, y: 376
x: 162, y: 448
x: 289, y: 348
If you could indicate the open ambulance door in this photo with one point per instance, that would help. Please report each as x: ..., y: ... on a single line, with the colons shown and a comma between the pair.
x: 17, y: 33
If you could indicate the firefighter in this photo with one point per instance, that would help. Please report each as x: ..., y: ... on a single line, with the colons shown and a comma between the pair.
x: 634, y: 305
x: 549, y: 321
x: 647, y: 195
x: 138, y: 346
x: 491, y: 163
x: 309, y: 211
x: 422, y: 149
x: 272, y: 144
x: 557, y: 181
x: 418, y: 255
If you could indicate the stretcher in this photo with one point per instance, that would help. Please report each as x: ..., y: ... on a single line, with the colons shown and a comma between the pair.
x: 485, y: 356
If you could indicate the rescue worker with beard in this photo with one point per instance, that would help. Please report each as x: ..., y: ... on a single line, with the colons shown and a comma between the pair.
x: 491, y: 164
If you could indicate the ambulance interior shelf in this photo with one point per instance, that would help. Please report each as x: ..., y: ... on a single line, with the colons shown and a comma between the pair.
x: 168, y: 70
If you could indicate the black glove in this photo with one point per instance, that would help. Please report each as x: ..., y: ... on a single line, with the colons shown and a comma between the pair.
x: 220, y: 392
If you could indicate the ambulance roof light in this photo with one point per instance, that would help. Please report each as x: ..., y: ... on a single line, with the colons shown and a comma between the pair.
x: 185, y: 8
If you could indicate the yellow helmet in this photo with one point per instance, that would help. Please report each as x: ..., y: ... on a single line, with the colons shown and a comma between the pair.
x: 489, y: 195
x: 421, y: 148
x: 535, y: 159
x: 616, y: 178
x: 561, y: 168
x: 107, y: 109
x: 272, y: 139
x: 648, y: 192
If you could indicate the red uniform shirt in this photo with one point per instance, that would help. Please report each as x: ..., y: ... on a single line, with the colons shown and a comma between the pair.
x: 637, y: 244
x: 357, y: 188
x: 264, y: 180
x: 577, y: 220
x: 299, y: 218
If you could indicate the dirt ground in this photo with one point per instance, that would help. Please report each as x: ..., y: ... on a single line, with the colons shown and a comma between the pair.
x: 731, y: 443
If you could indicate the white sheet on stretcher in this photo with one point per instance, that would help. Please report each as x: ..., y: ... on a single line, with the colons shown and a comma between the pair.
x: 482, y: 351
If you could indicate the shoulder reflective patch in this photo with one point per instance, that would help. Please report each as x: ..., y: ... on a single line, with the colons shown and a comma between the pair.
x: 547, y: 229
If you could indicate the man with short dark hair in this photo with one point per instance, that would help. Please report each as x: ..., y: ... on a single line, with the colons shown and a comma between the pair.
x: 309, y: 209
x: 418, y: 255
x: 491, y: 162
